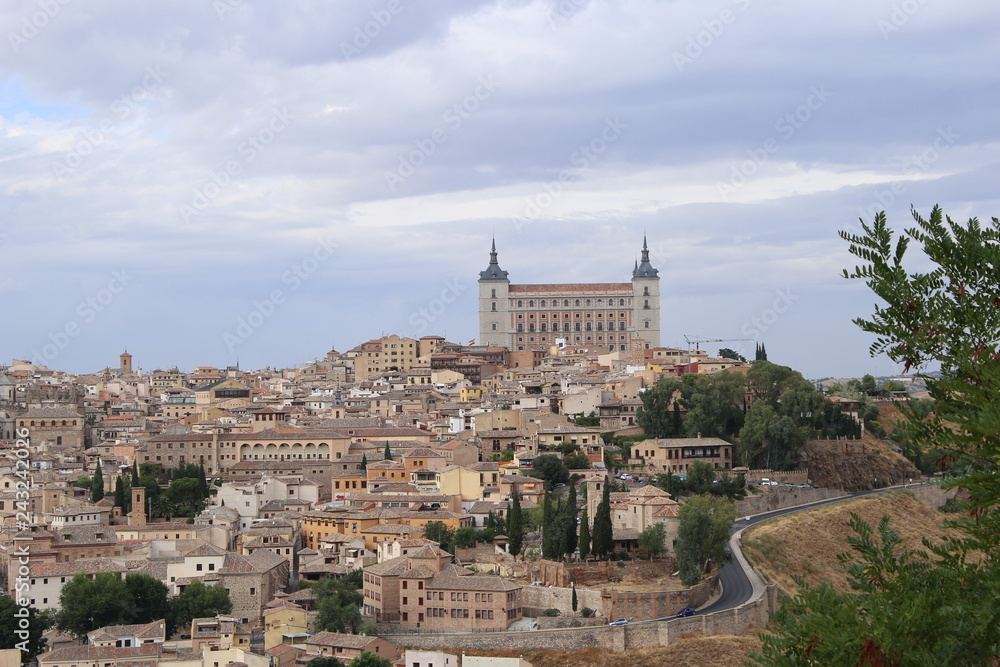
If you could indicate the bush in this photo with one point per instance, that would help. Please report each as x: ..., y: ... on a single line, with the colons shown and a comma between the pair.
x: 587, y: 612
x: 550, y: 612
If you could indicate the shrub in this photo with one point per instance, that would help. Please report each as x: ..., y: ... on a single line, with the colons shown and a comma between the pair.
x: 550, y: 612
x: 587, y: 612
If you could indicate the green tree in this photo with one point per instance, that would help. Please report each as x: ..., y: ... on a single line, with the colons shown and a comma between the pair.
x: 577, y: 461
x: 387, y: 454
x: 672, y: 484
x: 574, y: 602
x: 186, y: 496
x: 97, y: 488
x: 785, y: 441
x: 325, y: 662
x: 584, y: 542
x: 364, y: 466
x: 36, y: 623
x: 120, y: 494
x: 550, y: 468
x: 147, y: 599
x: 761, y: 353
x: 700, y: 477
x: 198, y: 601
x: 868, y: 383
x: 602, y: 541
x: 440, y: 533
x: 702, y: 534
x: 716, y: 405
x: 727, y: 353
x: 369, y: 659
x: 912, y: 607
x: 570, y: 523
x: 338, y: 602
x: 515, y: 526
x: 87, y: 604
x: 507, y: 454
x: 464, y: 538
x: 653, y: 540
x: 754, y: 431
x: 660, y: 411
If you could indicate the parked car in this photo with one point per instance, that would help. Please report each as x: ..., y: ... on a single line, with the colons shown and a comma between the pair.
x: 619, y: 621
x: 687, y: 611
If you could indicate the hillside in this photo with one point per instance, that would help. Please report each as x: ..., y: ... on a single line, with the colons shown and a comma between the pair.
x: 691, y: 651
x: 806, y: 544
x: 855, y: 465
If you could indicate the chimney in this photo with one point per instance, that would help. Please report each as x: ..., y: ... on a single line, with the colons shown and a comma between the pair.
x: 137, y: 517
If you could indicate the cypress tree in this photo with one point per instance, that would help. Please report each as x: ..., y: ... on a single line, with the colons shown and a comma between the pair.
x: 603, y: 539
x: 135, y: 475
x: 584, y: 535
x: 364, y: 460
x: 202, y: 481
x: 575, y: 602
x: 120, y: 494
x: 97, y: 488
x: 388, y: 452
x: 515, y: 526
x: 569, y: 546
x: 548, y: 529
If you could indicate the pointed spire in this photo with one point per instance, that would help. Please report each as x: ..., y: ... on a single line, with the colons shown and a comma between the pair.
x: 643, y: 268
x: 493, y: 271
x: 493, y: 252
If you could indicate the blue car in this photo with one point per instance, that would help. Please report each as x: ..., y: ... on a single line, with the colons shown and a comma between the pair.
x: 619, y: 621
x: 687, y: 611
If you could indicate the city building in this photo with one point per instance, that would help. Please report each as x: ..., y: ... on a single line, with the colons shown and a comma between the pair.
x: 605, y: 315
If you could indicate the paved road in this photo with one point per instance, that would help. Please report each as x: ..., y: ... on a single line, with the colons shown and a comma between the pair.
x: 736, y: 584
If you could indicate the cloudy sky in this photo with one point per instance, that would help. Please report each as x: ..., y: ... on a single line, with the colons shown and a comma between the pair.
x: 212, y: 179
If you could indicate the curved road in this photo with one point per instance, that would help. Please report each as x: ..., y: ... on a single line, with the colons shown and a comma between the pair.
x: 737, y: 587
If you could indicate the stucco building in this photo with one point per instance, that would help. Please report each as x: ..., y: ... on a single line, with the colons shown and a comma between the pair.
x: 608, y: 315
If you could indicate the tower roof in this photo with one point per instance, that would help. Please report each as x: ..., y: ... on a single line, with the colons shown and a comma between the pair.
x: 493, y: 271
x: 644, y: 269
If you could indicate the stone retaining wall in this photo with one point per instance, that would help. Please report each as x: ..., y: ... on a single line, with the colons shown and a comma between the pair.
x: 620, y: 638
x: 593, y: 573
x: 779, y: 497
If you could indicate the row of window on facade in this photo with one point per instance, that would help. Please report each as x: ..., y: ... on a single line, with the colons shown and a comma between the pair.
x: 52, y: 422
x: 577, y: 326
x: 586, y: 302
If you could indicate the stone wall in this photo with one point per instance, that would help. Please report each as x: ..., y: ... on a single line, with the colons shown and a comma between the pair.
x: 780, y: 497
x: 659, y: 604
x: 932, y: 495
x: 621, y: 638
x: 536, y: 599
x: 600, y: 572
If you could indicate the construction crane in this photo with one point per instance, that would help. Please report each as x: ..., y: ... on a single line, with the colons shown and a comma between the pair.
x: 698, y: 340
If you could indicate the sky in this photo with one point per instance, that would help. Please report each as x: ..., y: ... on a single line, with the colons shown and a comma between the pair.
x: 212, y: 181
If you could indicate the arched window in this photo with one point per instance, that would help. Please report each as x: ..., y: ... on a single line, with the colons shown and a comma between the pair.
x: 543, y: 303
x: 578, y: 302
x: 588, y: 303
x: 531, y: 304
x: 621, y: 302
x: 565, y: 302
x: 519, y: 303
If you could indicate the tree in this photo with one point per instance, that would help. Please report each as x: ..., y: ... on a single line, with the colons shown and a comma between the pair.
x: 918, y: 607
x: 550, y: 468
x: 464, y: 538
x: 716, y: 405
x: 35, y: 624
x: 387, y: 454
x: 577, y: 461
x: 660, y: 411
x: 369, y: 659
x: 602, y: 540
x: 364, y: 466
x: 325, y: 662
x: 702, y: 534
x: 785, y: 440
x: 671, y: 483
x: 199, y: 601
x: 515, y: 526
x: 761, y: 354
x: 700, y: 476
x: 120, y: 494
x: 653, y: 539
x: 440, y: 533
x: 339, y: 605
x: 574, y: 602
x: 584, y: 535
x: 569, y: 522
x: 97, y: 488
x: 147, y: 599
x: 754, y: 431
x: 87, y: 604
x: 727, y: 353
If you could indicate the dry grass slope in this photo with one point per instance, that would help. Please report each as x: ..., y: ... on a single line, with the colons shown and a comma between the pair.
x: 691, y: 651
x: 806, y: 544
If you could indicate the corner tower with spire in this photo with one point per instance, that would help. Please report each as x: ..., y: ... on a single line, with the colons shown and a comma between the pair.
x: 494, y: 314
x: 646, y: 299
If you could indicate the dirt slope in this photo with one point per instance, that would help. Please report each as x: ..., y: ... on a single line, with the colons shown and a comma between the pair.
x: 693, y: 651
x: 806, y: 544
x: 856, y: 465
